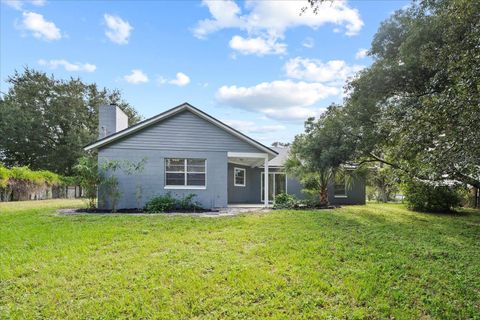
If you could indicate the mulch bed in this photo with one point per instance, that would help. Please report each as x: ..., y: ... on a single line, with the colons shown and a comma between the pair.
x: 134, y: 211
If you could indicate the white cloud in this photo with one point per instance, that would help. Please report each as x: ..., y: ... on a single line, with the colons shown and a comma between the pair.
x: 181, y: 80
x: 68, y: 66
x: 308, y: 43
x: 225, y: 15
x: 18, y: 4
x: 361, y: 53
x: 15, y: 4
x: 274, y: 17
x: 283, y: 99
x: 161, y: 80
x: 290, y: 99
x: 249, y: 127
x: 333, y: 72
x: 137, y: 76
x: 258, y: 46
x: 40, y: 28
x: 293, y: 113
x: 118, y: 30
x: 38, y: 3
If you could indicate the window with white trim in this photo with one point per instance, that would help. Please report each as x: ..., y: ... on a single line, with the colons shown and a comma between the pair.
x: 340, y: 188
x: 239, y: 177
x: 182, y: 172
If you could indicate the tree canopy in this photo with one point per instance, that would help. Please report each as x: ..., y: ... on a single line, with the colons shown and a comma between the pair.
x: 45, y: 122
x: 317, y: 155
x: 417, y: 107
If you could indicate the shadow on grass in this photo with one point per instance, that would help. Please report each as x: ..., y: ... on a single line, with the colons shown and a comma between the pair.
x: 389, y: 220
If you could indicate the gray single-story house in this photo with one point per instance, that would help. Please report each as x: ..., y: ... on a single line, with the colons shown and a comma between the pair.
x: 188, y: 151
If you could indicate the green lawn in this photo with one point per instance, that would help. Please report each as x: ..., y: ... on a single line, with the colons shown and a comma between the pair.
x: 374, y: 261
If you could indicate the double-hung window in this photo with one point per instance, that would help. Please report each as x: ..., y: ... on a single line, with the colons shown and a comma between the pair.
x: 239, y: 177
x: 181, y: 173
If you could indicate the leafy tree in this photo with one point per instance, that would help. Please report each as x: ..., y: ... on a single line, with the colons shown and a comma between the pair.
x: 87, y: 175
x: 45, y: 122
x: 417, y: 107
x: 385, y: 181
x: 110, y: 184
x: 317, y: 155
x: 136, y: 168
x: 90, y: 175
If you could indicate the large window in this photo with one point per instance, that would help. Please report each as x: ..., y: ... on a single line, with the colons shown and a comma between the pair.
x: 185, y: 173
x: 239, y: 177
x: 340, y: 189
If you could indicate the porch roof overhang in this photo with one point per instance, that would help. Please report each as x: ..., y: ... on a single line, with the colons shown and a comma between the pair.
x: 249, y: 159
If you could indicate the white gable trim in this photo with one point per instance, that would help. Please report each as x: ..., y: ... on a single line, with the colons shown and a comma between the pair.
x: 169, y: 113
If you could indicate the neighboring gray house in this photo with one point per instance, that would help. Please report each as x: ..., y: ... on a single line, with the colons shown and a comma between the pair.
x: 188, y: 151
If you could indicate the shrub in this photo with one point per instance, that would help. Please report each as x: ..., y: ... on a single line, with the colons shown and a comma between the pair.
x: 19, y: 182
x: 166, y: 202
x: 5, y: 190
x: 285, y: 201
x: 87, y: 175
x: 50, y: 178
x: 187, y: 203
x: 4, y: 176
x: 24, y: 181
x: 422, y: 196
x: 162, y: 203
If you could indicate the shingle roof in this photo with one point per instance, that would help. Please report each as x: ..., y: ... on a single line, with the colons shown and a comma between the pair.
x: 171, y: 112
x: 279, y: 160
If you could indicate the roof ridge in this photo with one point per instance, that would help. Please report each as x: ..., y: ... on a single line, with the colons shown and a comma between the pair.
x: 168, y: 113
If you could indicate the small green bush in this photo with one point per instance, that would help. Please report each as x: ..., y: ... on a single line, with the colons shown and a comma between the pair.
x: 162, y: 203
x: 285, y: 201
x: 167, y: 202
x: 187, y: 203
x: 422, y: 196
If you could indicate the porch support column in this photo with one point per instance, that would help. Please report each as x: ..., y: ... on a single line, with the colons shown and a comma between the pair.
x: 265, y: 181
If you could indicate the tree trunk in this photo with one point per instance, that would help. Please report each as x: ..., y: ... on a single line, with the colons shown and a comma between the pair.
x: 323, y: 197
x: 383, y: 196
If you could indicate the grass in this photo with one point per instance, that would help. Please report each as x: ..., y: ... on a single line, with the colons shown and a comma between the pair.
x: 374, y: 261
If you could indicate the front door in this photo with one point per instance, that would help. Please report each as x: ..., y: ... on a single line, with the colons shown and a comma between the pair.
x: 277, y: 183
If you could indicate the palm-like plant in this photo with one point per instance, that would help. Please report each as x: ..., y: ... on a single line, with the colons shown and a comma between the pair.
x: 318, y: 156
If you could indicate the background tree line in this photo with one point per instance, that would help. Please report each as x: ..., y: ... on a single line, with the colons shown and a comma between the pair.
x: 45, y: 122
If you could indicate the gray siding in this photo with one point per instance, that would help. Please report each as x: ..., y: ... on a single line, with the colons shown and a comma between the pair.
x: 295, y: 187
x: 355, y: 194
x: 251, y: 193
x: 185, y: 135
x: 111, y: 120
x: 152, y: 179
x: 248, y: 194
x: 184, y: 131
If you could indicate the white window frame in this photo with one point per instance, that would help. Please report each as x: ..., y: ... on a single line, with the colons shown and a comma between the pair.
x: 235, y: 169
x: 345, y: 188
x: 185, y: 172
x: 262, y: 180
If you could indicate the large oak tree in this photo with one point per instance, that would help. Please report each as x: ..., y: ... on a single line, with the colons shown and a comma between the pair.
x: 417, y: 107
x: 45, y: 122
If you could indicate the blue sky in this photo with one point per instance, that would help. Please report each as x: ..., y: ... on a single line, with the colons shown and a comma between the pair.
x: 257, y: 65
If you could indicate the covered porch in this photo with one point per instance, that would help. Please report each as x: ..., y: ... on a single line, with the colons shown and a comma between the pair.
x: 246, y: 180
